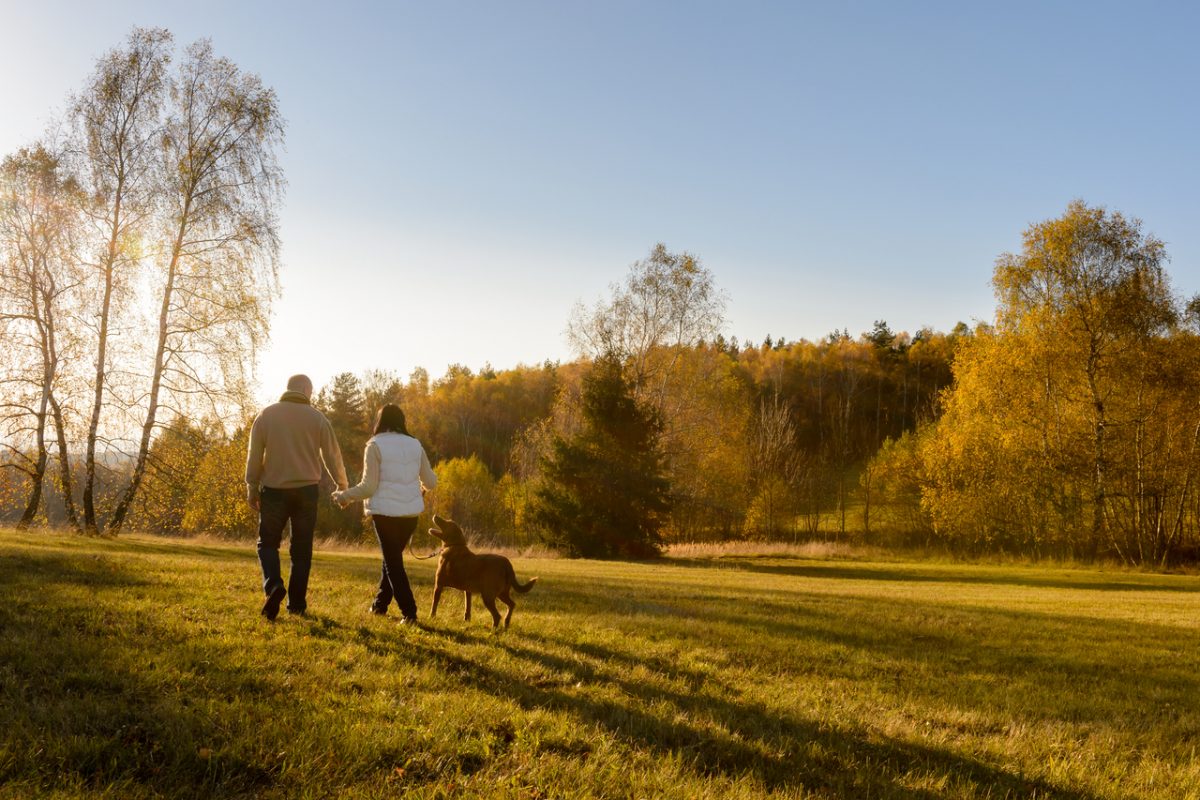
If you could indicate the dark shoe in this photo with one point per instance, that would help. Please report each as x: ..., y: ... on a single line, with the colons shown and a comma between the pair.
x: 408, y: 620
x: 379, y: 612
x: 270, y: 609
x: 298, y: 612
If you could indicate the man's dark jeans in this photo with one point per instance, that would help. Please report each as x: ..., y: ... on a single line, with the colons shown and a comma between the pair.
x: 394, y: 533
x: 276, y: 507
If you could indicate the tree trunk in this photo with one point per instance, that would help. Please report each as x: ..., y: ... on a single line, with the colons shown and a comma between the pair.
x: 160, y: 356
x: 867, y: 479
x: 35, y: 495
x: 89, y: 460
x: 38, y: 475
x: 39, y: 469
x: 64, y: 459
x: 1099, y: 456
x: 51, y: 362
x: 1176, y: 531
x: 65, y: 484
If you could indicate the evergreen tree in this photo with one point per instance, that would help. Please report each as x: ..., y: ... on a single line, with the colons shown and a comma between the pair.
x: 344, y: 404
x: 604, y: 494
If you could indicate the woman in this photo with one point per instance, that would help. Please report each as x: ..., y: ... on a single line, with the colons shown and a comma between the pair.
x: 396, y: 475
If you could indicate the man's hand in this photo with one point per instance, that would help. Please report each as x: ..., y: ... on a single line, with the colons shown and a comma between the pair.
x: 252, y: 497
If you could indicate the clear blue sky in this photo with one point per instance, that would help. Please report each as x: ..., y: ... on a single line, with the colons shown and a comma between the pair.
x: 461, y: 173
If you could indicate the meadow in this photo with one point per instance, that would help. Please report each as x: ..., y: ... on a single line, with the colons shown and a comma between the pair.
x: 139, y: 667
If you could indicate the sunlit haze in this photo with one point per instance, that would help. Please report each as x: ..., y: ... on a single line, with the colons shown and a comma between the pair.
x: 460, y: 174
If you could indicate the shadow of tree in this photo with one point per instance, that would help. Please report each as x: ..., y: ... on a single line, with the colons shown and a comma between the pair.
x: 986, y: 657
x: 919, y: 574
x: 712, y: 735
x: 80, y: 711
x: 48, y: 571
x: 234, y: 551
x: 82, y: 703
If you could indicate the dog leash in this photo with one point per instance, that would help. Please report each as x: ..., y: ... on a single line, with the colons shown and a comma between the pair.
x: 413, y: 553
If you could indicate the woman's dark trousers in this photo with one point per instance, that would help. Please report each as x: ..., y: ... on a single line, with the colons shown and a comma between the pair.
x: 394, y: 533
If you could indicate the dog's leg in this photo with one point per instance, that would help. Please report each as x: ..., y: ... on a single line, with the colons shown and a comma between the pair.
x: 508, y: 601
x: 437, y: 595
x: 467, y: 616
x: 490, y: 602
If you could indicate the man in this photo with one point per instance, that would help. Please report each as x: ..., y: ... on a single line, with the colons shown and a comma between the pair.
x: 292, y: 452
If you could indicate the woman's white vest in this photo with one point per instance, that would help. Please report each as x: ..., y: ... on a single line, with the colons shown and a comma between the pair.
x: 399, y: 490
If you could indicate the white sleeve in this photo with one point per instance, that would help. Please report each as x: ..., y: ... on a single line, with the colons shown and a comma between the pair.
x: 370, y: 480
x: 428, y: 477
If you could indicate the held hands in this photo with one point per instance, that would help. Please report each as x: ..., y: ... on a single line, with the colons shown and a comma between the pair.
x: 338, y: 499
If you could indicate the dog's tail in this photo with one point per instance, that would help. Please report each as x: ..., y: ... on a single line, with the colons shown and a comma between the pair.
x: 512, y: 581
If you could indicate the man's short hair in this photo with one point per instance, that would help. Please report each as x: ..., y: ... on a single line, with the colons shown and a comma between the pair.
x: 300, y: 383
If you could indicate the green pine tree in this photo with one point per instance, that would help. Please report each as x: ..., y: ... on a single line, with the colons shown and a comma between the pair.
x: 345, y: 406
x: 343, y: 403
x: 604, y: 493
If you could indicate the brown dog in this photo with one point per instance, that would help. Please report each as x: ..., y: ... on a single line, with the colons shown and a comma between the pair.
x: 486, y: 574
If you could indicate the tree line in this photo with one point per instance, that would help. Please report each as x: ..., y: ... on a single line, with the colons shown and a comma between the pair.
x: 138, y: 257
x: 1069, y: 426
x: 762, y: 440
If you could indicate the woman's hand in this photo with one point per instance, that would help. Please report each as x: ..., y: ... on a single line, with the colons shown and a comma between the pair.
x: 337, y: 499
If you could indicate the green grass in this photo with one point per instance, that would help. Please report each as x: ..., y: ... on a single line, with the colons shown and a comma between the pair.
x: 140, y: 668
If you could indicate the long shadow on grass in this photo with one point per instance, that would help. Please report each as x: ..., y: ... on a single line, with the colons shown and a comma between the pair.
x: 52, y: 543
x: 1012, y: 666
x: 49, y: 573
x: 717, y: 736
x: 1038, y: 665
x: 809, y: 569
x: 78, y: 711
x: 235, y: 551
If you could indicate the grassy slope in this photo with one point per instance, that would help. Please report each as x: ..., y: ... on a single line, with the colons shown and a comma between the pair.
x: 140, y: 667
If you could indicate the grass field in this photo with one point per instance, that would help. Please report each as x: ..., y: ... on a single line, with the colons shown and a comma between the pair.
x: 140, y: 668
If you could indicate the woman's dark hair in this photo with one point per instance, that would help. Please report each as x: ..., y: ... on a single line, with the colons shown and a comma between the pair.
x: 390, y: 419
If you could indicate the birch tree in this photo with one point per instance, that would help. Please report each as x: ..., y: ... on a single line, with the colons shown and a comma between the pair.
x: 177, y: 249
x: 116, y: 123
x: 1091, y: 285
x: 1072, y: 426
x: 216, y: 271
x: 38, y: 279
x: 668, y: 300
